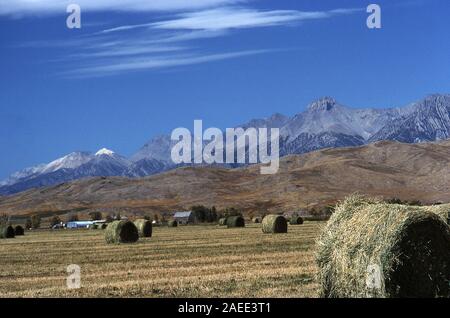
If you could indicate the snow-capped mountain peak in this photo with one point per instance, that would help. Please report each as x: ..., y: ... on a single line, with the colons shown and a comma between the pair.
x: 70, y: 161
x: 104, y: 151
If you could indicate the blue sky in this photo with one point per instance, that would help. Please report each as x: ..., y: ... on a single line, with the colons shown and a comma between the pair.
x: 141, y: 68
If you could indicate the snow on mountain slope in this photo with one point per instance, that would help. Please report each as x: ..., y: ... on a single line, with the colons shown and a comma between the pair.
x: 71, y: 161
x: 429, y: 121
x: 158, y: 148
x: 73, y: 166
x: 15, y: 177
x: 325, y: 123
x: 327, y: 116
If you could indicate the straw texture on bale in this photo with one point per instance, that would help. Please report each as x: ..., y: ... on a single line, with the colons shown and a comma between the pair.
x: 296, y: 220
x: 18, y: 230
x: 256, y: 220
x: 274, y: 224
x: 144, y: 227
x: 121, y: 232
x: 373, y: 249
x: 442, y: 210
x: 172, y: 223
x: 223, y: 221
x: 235, y: 221
x: 6, y: 231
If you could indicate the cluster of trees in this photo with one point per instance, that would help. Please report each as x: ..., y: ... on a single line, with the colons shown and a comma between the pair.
x: 204, y: 214
x: 210, y: 215
x: 4, y: 219
x: 33, y: 222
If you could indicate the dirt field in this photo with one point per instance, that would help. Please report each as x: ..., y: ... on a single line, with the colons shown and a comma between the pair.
x: 189, y: 261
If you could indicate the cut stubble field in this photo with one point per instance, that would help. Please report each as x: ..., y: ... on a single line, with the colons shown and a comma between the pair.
x: 188, y: 261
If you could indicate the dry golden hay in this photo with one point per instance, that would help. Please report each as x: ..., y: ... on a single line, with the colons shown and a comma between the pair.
x: 235, y: 221
x: 296, y: 220
x: 144, y: 227
x: 443, y: 210
x: 273, y: 223
x: 6, y: 231
x: 172, y: 223
x: 373, y: 249
x: 121, y: 232
x: 223, y: 221
x: 18, y: 230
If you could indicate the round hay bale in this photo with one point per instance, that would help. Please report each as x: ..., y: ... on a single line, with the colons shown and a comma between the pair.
x: 102, y: 226
x: 93, y: 227
x: 223, y: 221
x: 6, y: 231
x: 144, y: 227
x: 256, y: 220
x: 19, y: 230
x: 296, y: 220
x: 172, y: 223
x: 274, y: 224
x: 121, y: 232
x: 235, y: 221
x: 373, y: 249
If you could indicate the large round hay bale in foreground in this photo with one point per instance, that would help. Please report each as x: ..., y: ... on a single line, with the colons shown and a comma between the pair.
x: 121, y: 232
x: 296, y: 220
x: 256, y: 220
x: 144, y: 227
x: 6, y: 231
x: 223, y: 221
x: 373, y: 249
x: 235, y: 221
x: 172, y: 223
x: 18, y: 230
x: 273, y: 223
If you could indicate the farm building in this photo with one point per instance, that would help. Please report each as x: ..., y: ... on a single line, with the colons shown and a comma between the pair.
x: 186, y: 217
x: 79, y: 224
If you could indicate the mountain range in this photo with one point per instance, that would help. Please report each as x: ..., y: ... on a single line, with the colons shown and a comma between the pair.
x: 388, y: 169
x: 324, y: 124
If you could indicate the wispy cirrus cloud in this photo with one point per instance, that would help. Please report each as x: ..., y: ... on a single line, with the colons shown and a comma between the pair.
x: 26, y: 7
x: 155, y: 62
x: 234, y: 18
x: 169, y: 42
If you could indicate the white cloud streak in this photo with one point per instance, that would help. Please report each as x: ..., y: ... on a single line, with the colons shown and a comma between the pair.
x: 233, y: 18
x: 27, y: 7
x: 156, y: 63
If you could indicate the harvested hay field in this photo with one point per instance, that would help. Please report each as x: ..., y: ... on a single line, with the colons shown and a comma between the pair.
x: 209, y: 262
x: 406, y: 248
